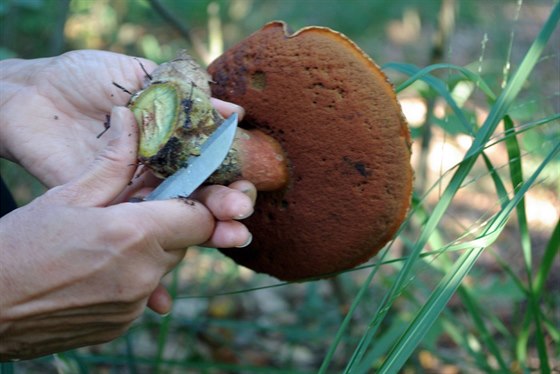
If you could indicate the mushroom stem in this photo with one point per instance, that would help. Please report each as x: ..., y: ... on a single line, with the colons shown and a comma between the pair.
x: 256, y: 157
x: 175, y: 117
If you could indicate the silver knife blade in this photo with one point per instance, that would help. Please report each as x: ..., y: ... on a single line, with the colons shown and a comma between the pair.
x: 212, y: 153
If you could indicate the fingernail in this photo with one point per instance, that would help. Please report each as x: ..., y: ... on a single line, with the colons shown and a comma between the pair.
x: 252, y: 193
x: 244, y: 215
x: 249, y: 240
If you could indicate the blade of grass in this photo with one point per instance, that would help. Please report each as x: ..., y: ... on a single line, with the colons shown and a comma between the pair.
x: 476, y: 312
x: 165, y: 325
x: 552, y: 250
x: 553, y: 330
x: 348, y: 318
x: 498, y: 111
x: 451, y: 325
x: 425, y: 72
x: 516, y: 174
x: 446, y: 288
x: 500, y: 188
x: 465, y: 293
x: 439, y: 87
x: 523, y: 128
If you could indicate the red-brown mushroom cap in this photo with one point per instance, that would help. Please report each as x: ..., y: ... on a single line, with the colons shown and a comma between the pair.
x: 348, y: 148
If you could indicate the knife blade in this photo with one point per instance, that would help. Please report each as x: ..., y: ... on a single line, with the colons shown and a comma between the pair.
x: 198, y: 168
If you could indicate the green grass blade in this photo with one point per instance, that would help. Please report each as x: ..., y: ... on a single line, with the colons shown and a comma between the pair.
x: 500, y: 188
x: 346, y: 322
x: 476, y: 313
x: 421, y: 73
x: 438, y: 86
x: 516, y: 174
x: 523, y: 128
x: 498, y: 111
x: 468, y: 300
x: 449, y: 284
x: 165, y: 325
x: 551, y: 251
x: 452, y: 327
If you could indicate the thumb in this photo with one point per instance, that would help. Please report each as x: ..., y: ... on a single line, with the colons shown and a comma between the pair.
x: 112, y: 169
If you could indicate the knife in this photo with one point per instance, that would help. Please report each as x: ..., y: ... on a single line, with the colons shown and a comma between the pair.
x: 198, y: 168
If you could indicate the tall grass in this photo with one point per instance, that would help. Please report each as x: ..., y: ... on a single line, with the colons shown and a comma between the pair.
x: 385, y: 316
x: 442, y: 293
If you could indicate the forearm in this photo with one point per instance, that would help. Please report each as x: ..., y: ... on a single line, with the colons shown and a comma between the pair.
x: 16, y: 77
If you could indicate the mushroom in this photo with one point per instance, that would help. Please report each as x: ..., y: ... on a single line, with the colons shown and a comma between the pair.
x: 338, y: 121
x: 175, y: 117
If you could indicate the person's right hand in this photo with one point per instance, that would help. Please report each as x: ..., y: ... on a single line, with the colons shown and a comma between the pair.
x: 77, y: 271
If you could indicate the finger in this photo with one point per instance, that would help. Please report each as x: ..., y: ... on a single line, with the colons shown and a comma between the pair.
x: 174, y: 224
x: 111, y: 170
x: 247, y: 188
x: 225, y: 203
x: 160, y: 301
x: 229, y: 234
x: 226, y: 108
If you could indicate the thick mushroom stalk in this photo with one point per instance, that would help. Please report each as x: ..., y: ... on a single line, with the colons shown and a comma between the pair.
x: 338, y: 121
x: 175, y: 117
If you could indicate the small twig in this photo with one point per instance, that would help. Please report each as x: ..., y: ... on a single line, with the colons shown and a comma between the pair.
x: 144, y: 69
x: 106, y: 124
x: 122, y: 88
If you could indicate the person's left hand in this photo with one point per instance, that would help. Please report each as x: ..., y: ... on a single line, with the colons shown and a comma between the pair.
x: 53, y: 109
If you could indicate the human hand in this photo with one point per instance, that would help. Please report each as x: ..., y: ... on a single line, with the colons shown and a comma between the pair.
x: 53, y: 109
x: 75, y: 271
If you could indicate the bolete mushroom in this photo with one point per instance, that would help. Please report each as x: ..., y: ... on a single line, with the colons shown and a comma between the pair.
x: 340, y: 126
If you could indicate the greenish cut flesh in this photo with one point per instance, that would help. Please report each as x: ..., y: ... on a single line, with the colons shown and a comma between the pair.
x: 156, y: 110
x: 175, y: 115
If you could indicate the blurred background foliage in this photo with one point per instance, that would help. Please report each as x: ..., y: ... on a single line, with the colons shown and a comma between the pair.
x: 38, y: 28
x: 289, y: 328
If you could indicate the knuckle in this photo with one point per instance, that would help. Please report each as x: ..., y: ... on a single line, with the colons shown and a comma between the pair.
x: 124, y: 232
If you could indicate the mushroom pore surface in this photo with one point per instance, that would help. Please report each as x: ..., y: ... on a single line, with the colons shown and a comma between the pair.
x: 348, y: 148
